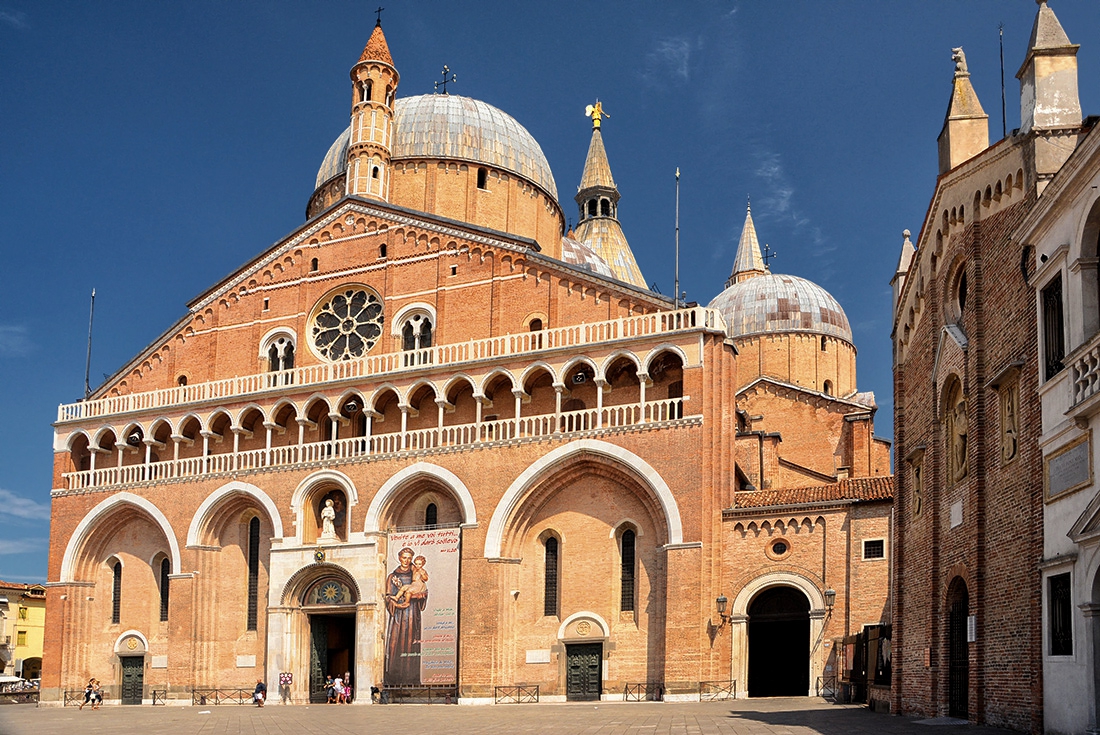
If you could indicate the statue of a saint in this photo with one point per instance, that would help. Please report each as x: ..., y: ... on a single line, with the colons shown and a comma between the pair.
x: 1008, y: 424
x: 328, y: 520
x: 958, y: 439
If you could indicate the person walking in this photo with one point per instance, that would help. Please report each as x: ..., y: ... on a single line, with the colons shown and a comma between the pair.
x: 97, y: 694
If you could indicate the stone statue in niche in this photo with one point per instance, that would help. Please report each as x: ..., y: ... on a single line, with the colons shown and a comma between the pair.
x: 1009, y: 428
x: 958, y: 436
x: 328, y: 520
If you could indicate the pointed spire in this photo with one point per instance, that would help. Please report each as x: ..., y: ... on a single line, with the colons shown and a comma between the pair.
x: 598, y: 200
x: 377, y: 49
x: 597, y: 171
x: 905, y: 259
x: 749, y: 262
x: 965, y: 131
x: 1048, y: 76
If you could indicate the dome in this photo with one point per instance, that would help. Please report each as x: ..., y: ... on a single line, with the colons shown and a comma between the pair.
x: 579, y: 254
x: 460, y: 128
x: 771, y: 304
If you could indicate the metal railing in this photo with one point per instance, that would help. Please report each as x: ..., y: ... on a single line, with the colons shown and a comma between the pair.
x: 650, y: 691
x: 205, y: 697
x: 571, y: 337
x: 72, y: 697
x: 516, y: 694
x: 160, y: 696
x: 418, y: 440
x: 826, y: 687
x: 712, y: 691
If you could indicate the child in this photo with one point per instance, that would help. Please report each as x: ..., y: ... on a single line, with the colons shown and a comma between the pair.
x: 417, y: 587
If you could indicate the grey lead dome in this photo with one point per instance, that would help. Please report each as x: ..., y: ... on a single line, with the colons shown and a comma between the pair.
x: 458, y: 128
x: 775, y: 303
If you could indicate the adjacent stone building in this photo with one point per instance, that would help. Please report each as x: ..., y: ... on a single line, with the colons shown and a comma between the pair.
x: 431, y: 439
x: 996, y: 566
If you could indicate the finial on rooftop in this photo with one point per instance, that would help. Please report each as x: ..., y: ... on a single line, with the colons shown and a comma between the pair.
x: 596, y: 113
x: 453, y: 78
x: 378, y: 12
x: 959, y: 57
x: 905, y: 234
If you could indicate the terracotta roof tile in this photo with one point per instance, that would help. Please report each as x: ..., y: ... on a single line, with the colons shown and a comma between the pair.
x: 377, y: 49
x: 861, y: 489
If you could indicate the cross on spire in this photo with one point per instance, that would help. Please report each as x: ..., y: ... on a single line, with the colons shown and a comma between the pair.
x: 446, y: 79
x: 378, y: 13
x: 769, y: 254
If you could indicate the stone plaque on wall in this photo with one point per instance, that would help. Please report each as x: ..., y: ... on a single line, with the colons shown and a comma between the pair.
x: 1068, y: 468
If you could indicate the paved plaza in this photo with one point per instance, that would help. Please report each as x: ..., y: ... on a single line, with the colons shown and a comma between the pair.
x: 801, y: 716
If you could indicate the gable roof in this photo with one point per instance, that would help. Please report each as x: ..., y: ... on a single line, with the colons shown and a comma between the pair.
x: 853, y: 490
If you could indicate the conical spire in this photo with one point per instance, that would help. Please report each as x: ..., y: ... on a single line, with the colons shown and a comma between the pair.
x: 965, y: 131
x: 377, y: 49
x: 597, y: 171
x: 1048, y: 77
x: 749, y: 262
x: 598, y: 200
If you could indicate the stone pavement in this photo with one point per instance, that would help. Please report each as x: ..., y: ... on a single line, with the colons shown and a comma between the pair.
x: 793, y: 716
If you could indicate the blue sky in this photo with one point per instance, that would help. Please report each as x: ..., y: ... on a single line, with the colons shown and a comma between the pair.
x: 148, y: 149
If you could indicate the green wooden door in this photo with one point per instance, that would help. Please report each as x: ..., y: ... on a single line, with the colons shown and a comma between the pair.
x: 582, y: 662
x: 133, y: 678
x: 318, y: 657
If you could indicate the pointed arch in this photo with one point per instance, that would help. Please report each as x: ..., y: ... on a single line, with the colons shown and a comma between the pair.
x: 207, y: 508
x: 638, y: 467
x: 106, y: 507
x: 421, y: 469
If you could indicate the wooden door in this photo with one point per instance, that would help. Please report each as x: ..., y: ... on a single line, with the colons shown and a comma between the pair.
x: 958, y: 675
x: 318, y: 658
x: 583, y: 663
x: 133, y: 679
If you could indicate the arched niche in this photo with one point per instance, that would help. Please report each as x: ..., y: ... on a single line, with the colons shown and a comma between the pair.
x: 412, y: 489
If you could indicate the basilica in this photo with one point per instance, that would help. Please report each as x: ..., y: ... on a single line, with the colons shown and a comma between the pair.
x: 440, y: 445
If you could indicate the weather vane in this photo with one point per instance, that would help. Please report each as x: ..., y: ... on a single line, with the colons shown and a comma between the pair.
x: 446, y: 79
x: 379, y: 14
x: 769, y: 255
x: 595, y: 112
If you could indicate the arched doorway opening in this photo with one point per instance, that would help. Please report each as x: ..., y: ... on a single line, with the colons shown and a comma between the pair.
x: 329, y: 604
x: 779, y: 643
x: 958, y: 653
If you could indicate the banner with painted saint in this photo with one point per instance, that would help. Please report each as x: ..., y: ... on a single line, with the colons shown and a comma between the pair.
x: 421, y: 595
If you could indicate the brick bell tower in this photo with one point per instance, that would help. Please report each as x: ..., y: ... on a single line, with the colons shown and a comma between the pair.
x: 374, y: 83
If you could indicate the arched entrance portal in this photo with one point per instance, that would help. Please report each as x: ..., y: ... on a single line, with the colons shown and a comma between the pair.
x: 779, y: 643
x: 958, y: 653
x: 330, y: 605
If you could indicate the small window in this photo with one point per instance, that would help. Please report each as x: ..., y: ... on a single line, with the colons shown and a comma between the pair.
x: 626, y: 601
x: 550, y: 581
x: 165, y: 569
x: 874, y: 549
x: 368, y: 87
x: 374, y: 172
x: 592, y: 208
x: 535, y: 325
x: 431, y: 515
x: 22, y: 612
x: 824, y: 344
x: 1054, y: 340
x: 253, y: 572
x: 454, y: 270
x: 280, y: 355
x: 605, y: 208
x: 313, y: 264
x: 962, y: 291
x: 482, y: 178
x: 116, y: 594
x: 1061, y: 615
x: 267, y: 304
x: 382, y: 250
x: 21, y: 638
x: 181, y: 380
x: 827, y: 388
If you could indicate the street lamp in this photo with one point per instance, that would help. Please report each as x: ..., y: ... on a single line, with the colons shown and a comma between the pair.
x: 830, y: 598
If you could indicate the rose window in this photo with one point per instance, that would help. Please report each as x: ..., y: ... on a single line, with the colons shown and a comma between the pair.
x: 347, y: 325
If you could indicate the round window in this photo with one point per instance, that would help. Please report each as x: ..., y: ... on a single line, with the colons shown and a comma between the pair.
x: 779, y: 548
x: 347, y: 324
